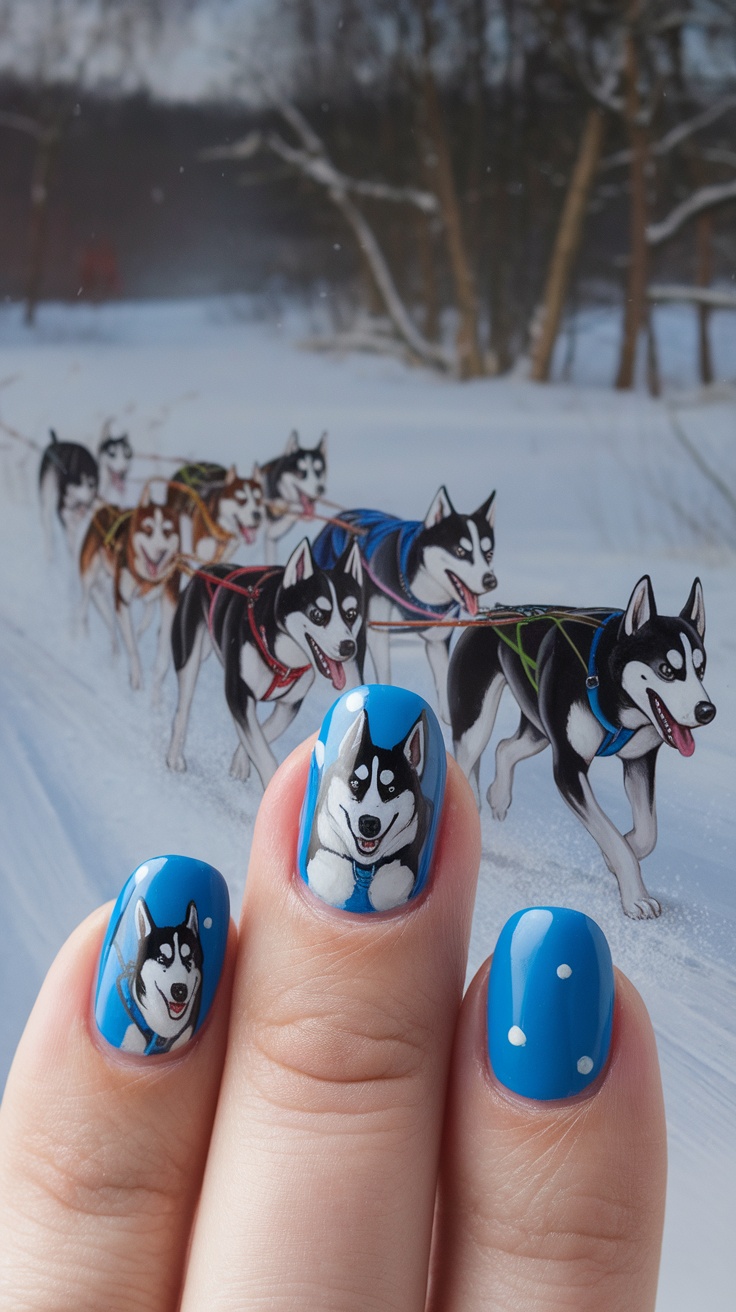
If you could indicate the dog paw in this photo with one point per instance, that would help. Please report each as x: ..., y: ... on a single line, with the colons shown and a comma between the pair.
x: 136, y: 680
x: 644, y: 908
x: 240, y: 764
x: 330, y: 876
x: 391, y: 886
x: 499, y: 802
x: 176, y: 763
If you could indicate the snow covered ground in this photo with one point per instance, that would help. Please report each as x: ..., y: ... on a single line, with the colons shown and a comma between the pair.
x: 594, y: 488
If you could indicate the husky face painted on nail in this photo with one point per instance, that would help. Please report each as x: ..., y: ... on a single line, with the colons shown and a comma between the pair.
x: 419, y: 570
x: 293, y: 483
x: 162, y: 989
x: 591, y: 683
x: 371, y: 819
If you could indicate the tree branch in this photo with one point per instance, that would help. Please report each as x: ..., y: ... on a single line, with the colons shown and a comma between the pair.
x: 706, y: 198
x: 676, y: 134
x: 710, y: 296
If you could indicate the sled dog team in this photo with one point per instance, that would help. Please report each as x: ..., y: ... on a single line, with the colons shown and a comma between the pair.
x: 588, y: 683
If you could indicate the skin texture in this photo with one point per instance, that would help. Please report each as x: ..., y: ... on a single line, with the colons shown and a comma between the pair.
x: 323, y: 1106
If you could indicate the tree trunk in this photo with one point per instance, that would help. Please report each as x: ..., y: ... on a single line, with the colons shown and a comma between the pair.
x: 428, y: 274
x: 470, y: 362
x: 703, y: 275
x: 636, y: 289
x: 38, y: 223
x: 567, y: 243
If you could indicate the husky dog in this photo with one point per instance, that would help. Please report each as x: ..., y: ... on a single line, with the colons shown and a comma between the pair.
x: 69, y: 480
x: 591, y: 683
x: 293, y: 483
x: 419, y: 570
x: 162, y: 990
x: 222, y: 511
x: 271, y: 629
x: 371, y: 819
x: 138, y: 550
x: 114, y: 455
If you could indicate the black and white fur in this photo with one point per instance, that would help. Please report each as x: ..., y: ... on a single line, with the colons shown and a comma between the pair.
x: 114, y: 456
x: 370, y: 812
x: 307, y: 616
x: 166, y: 980
x: 650, y: 669
x: 292, y: 485
x: 70, y: 480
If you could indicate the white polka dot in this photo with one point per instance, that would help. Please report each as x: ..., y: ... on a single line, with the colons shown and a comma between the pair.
x: 141, y: 873
x: 564, y: 971
x: 517, y: 1037
x: 354, y: 701
x: 207, y: 922
x: 319, y: 753
x: 585, y: 1065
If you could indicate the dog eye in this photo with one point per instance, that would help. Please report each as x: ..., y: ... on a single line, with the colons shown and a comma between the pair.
x: 460, y: 552
x: 351, y: 614
x: 355, y: 784
x: 318, y: 617
x: 666, y: 671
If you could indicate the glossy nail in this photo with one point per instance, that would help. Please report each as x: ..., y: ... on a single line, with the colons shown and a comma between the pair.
x: 550, y: 1003
x: 162, y: 955
x: 373, y: 800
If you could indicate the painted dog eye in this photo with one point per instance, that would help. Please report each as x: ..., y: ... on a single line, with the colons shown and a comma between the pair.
x: 354, y: 784
x: 460, y: 552
x: 351, y: 615
x: 666, y: 671
x: 318, y: 617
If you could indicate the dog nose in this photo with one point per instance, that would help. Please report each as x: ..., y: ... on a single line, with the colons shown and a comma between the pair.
x: 256, y: 516
x: 347, y: 649
x: 179, y: 992
x: 705, y: 712
x: 489, y: 582
x: 320, y: 489
x: 369, y: 826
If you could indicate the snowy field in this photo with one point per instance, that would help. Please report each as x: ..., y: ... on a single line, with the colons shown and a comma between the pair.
x: 594, y: 488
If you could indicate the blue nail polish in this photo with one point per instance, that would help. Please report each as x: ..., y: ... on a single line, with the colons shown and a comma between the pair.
x: 162, y: 955
x: 550, y: 1003
x: 373, y: 800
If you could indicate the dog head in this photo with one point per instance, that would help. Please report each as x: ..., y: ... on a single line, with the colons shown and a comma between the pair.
x: 322, y: 609
x: 458, y: 549
x: 240, y: 505
x: 154, y: 536
x: 660, y: 661
x: 167, y: 980
x: 114, y: 455
x: 302, y: 474
x: 371, y: 800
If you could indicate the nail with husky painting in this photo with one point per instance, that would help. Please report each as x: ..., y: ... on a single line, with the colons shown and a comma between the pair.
x: 373, y: 800
x: 162, y: 955
x: 550, y: 1003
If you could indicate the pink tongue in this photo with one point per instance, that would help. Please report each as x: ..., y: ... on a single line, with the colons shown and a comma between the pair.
x: 337, y: 673
x: 471, y: 602
x: 684, y: 741
x: 308, y: 508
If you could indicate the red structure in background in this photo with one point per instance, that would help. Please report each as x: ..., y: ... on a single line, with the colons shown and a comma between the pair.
x: 99, y: 275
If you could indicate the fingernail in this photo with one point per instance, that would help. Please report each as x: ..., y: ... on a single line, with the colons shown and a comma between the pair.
x: 162, y: 955
x: 373, y: 800
x: 550, y: 1003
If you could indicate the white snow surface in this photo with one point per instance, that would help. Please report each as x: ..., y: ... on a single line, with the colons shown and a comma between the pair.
x: 593, y: 490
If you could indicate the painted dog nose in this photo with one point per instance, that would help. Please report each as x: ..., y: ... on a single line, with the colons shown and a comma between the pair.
x: 347, y: 649
x: 369, y: 826
x: 705, y: 712
x: 179, y: 992
x: 256, y: 516
x: 489, y: 582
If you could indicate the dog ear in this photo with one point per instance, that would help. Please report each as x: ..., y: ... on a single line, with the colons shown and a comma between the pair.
x: 488, y: 510
x: 192, y: 919
x: 694, y: 609
x: 353, y: 737
x: 352, y: 563
x: 145, y: 497
x: 641, y: 607
x: 415, y: 745
x: 143, y: 919
x: 322, y: 445
x: 299, y: 566
x: 256, y: 475
x: 440, y: 508
x: 231, y: 476
x: 293, y: 443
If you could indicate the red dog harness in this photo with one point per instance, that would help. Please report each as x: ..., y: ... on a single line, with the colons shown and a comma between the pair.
x: 284, y: 676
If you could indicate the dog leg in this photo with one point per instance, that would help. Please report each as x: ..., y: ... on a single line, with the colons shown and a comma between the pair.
x: 438, y: 655
x: 240, y: 764
x: 163, y: 649
x: 242, y: 706
x: 187, y: 678
x: 390, y: 886
x: 470, y: 746
x: 527, y: 741
x: 148, y: 611
x: 639, y: 785
x: 379, y: 640
x: 134, y: 661
x: 571, y: 777
x: 49, y: 494
x: 101, y: 594
x: 280, y: 718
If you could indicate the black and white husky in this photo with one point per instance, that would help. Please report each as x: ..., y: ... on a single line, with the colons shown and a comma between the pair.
x: 272, y: 629
x: 418, y: 570
x: 162, y: 990
x: 370, y: 819
x: 591, y: 683
x: 292, y: 485
x: 70, y: 479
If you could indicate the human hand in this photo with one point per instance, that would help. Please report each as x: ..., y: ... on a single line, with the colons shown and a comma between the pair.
x: 335, y: 1136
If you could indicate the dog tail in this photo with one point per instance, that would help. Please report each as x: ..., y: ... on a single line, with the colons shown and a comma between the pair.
x: 53, y: 436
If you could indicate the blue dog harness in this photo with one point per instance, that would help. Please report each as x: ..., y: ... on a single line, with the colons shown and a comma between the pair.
x: 154, y: 1042
x: 615, y: 738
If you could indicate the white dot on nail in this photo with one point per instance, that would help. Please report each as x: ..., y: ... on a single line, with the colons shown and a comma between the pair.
x: 141, y: 873
x: 207, y: 922
x: 517, y: 1037
x: 319, y: 753
x: 585, y: 1065
x: 354, y: 702
x: 564, y: 971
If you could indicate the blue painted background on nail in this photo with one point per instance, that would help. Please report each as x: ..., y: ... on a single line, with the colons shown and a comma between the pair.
x: 391, y: 713
x: 550, y: 1003
x: 167, y: 884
